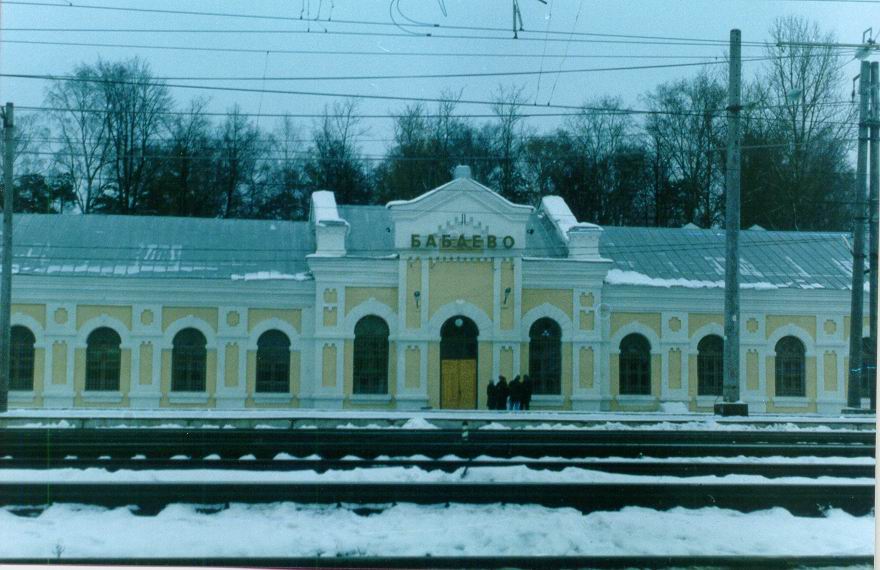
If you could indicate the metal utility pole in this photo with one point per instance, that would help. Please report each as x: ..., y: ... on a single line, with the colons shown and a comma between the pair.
x: 731, y: 404
x: 872, y: 224
x: 6, y: 277
x: 853, y: 393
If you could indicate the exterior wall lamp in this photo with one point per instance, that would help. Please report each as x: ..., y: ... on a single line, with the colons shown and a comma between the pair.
x: 506, y: 295
x: 418, y: 298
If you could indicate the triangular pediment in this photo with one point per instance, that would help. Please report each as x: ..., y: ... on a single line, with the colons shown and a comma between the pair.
x: 462, y: 207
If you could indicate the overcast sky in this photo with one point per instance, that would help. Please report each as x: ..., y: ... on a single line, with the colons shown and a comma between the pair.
x: 704, y: 19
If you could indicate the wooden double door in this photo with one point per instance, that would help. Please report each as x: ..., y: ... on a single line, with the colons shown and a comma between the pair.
x: 458, y: 364
x: 459, y: 382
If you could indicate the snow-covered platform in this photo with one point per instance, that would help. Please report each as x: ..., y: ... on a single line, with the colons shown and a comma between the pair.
x: 424, y: 419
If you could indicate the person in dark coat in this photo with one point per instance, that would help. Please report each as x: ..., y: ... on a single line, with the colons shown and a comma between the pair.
x: 527, y: 392
x: 492, y: 396
x: 501, y: 394
x: 516, y: 394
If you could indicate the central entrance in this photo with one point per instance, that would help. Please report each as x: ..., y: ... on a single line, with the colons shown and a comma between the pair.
x: 458, y: 364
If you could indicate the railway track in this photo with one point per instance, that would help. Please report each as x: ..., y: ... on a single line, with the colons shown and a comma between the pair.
x: 636, y: 467
x: 55, y: 444
x: 804, y: 499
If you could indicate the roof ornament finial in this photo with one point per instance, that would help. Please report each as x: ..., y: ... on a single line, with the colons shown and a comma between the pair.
x: 462, y: 171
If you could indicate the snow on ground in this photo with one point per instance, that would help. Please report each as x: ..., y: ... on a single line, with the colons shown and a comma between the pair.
x: 287, y: 529
x: 396, y: 474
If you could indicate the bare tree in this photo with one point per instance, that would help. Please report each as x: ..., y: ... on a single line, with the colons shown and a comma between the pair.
x: 135, y: 106
x: 687, y: 132
x: 78, y: 117
x: 334, y: 162
x: 800, y: 122
x: 507, y: 137
x: 238, y: 153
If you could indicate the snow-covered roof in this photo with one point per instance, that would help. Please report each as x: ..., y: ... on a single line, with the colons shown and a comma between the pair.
x: 555, y: 208
x: 694, y: 258
x: 158, y: 246
x: 246, y: 250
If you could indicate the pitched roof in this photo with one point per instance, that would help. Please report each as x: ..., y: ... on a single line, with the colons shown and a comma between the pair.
x: 153, y: 246
x: 695, y: 258
x: 169, y: 247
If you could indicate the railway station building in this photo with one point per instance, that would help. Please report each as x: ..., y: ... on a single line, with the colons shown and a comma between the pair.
x: 419, y: 304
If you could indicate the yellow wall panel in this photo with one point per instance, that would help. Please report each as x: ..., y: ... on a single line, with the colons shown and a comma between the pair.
x: 585, y: 366
x: 675, y: 369
x: 413, y: 284
x: 566, y: 372
x: 587, y: 320
x: 505, y: 364
x: 39, y: 370
x: 295, y: 364
x: 830, y: 372
x: 808, y: 323
x: 354, y: 296
x: 230, y: 365
x: 59, y: 362
x: 330, y: 316
x: 145, y: 366
x: 507, y: 282
x: 693, y: 380
x: 434, y: 374
x: 472, y: 281
x: 524, y: 358
x: 698, y: 320
x: 290, y: 316
x: 656, y: 367
x: 650, y: 320
x: 250, y: 372
x: 614, y: 364
x: 36, y: 312
x: 560, y: 298
x: 752, y: 370
x: 328, y: 379
x: 770, y: 374
x: 412, y: 367
x: 85, y: 313
x: 171, y: 314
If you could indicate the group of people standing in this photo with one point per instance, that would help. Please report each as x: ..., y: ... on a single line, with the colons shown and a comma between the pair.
x: 516, y: 395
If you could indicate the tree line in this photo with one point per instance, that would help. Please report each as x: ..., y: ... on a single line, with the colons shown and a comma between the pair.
x: 113, y: 140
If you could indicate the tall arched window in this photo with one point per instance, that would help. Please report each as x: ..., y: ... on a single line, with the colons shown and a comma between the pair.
x: 545, y: 356
x: 273, y: 362
x: 710, y: 366
x: 370, y: 356
x: 22, y: 355
x: 790, y: 375
x: 188, y: 357
x: 103, y: 357
x: 635, y: 365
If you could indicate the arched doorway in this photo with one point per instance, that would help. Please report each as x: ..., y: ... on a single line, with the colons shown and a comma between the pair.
x: 458, y: 364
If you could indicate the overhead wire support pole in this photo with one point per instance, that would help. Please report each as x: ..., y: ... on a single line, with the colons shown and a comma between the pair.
x: 731, y: 404
x: 6, y: 265
x: 873, y: 204
x: 853, y: 393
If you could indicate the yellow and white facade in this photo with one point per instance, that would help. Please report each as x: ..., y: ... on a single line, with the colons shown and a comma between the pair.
x: 460, y: 253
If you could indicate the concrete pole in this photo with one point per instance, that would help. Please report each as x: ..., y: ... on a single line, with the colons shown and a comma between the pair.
x: 731, y: 265
x: 853, y: 393
x: 874, y: 156
x: 6, y: 265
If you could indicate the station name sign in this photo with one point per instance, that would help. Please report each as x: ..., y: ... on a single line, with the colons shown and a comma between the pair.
x: 471, y: 242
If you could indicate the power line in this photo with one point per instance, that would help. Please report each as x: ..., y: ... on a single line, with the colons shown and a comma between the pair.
x: 396, y: 53
x: 577, y: 109
x: 421, y: 75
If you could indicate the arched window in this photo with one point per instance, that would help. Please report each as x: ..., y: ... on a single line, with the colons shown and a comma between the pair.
x: 545, y: 356
x: 635, y: 365
x: 790, y: 374
x: 370, y: 356
x: 273, y: 362
x: 188, y: 357
x: 103, y: 360
x: 710, y: 366
x: 22, y: 355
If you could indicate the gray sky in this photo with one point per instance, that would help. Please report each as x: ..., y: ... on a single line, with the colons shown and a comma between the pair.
x: 706, y: 19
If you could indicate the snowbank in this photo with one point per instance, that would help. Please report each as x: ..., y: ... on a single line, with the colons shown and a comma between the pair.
x: 286, y: 529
